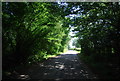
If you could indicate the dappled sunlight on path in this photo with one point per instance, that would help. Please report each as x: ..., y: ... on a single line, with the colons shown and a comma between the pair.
x: 71, y: 52
x: 64, y: 66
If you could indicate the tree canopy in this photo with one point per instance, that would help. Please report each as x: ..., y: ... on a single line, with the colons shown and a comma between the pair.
x: 33, y: 30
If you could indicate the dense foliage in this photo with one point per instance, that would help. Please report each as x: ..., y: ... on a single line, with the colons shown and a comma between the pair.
x: 31, y: 31
x: 97, y: 27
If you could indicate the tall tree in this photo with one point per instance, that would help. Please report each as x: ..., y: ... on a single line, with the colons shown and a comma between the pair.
x: 31, y: 31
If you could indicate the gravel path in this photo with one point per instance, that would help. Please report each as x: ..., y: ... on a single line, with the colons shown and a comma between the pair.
x: 64, y: 66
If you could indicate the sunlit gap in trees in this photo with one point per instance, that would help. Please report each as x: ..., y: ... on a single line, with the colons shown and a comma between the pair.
x: 72, y: 16
x: 72, y: 41
x: 62, y: 3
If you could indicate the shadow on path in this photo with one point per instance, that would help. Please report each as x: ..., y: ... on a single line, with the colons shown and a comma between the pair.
x: 64, y: 66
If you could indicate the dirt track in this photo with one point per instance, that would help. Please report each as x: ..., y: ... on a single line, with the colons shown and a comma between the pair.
x: 64, y: 66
